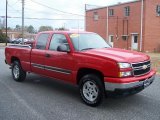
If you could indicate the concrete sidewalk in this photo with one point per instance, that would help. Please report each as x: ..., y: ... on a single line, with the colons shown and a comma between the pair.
x: 3, y: 44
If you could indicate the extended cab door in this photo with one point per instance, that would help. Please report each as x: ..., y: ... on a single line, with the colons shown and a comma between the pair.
x: 59, y: 65
x: 38, y: 53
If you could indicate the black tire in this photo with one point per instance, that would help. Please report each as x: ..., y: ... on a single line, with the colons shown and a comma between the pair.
x: 95, y: 91
x: 18, y: 73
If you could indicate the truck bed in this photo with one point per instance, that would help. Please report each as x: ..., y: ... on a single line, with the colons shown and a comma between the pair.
x: 20, y: 52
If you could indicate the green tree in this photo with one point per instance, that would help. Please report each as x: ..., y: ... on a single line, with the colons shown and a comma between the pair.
x: 61, y: 28
x: 45, y: 28
x: 18, y: 27
x: 9, y: 28
x: 30, y: 29
x: 3, y: 37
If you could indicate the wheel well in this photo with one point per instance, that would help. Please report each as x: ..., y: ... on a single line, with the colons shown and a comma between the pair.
x: 14, y: 59
x: 84, y: 71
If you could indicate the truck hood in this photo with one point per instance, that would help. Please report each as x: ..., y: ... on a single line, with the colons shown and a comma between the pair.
x: 118, y: 55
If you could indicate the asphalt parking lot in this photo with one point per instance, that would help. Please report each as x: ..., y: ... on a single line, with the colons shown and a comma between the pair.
x: 40, y: 98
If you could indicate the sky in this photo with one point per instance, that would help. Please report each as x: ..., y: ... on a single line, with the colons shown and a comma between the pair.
x: 58, y: 12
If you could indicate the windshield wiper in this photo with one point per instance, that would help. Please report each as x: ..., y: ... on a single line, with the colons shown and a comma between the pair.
x: 87, y: 49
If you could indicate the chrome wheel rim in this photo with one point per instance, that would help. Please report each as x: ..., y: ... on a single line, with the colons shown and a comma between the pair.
x: 90, y: 91
x: 16, y: 71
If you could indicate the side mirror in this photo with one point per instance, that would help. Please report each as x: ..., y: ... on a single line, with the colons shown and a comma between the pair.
x: 63, y: 48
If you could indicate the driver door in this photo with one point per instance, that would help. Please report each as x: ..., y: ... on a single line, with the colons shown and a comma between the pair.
x: 59, y: 64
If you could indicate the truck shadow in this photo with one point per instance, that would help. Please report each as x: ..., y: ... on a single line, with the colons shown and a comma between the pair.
x: 52, y: 85
x: 70, y: 92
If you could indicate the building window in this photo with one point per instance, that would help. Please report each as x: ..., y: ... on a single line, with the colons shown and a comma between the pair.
x: 95, y: 16
x: 111, y: 12
x: 111, y: 38
x: 127, y: 11
x: 158, y: 10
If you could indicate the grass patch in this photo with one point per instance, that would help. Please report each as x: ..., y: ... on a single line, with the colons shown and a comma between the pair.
x: 155, y: 60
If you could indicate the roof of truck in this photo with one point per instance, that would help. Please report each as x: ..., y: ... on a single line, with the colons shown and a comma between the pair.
x: 65, y: 32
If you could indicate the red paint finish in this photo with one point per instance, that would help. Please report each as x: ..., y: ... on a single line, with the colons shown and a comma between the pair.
x: 129, y: 79
x: 66, y: 65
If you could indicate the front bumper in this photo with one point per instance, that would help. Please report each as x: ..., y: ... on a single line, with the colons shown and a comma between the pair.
x: 142, y: 81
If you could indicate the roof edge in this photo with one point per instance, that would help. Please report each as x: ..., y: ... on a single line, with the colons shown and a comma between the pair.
x: 114, y: 5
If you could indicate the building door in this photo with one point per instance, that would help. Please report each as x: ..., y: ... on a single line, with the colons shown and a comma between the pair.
x: 134, y: 42
x: 111, y: 40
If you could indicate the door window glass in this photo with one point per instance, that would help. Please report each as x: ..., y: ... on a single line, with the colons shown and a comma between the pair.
x: 42, y: 41
x: 58, y: 39
x: 135, y: 39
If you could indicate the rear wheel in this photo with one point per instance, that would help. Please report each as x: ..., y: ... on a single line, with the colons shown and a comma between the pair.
x: 91, y: 90
x: 18, y: 73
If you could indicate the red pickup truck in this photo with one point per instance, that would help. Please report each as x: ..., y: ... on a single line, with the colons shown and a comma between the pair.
x: 84, y: 59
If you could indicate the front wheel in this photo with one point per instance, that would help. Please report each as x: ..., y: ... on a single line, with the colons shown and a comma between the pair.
x: 91, y: 90
x: 18, y: 73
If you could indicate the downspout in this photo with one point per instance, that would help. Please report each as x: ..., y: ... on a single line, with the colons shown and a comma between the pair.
x: 107, y: 26
x: 141, y: 37
x: 85, y: 17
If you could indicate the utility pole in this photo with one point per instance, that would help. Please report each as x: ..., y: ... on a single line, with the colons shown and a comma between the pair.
x: 6, y: 21
x: 22, y: 21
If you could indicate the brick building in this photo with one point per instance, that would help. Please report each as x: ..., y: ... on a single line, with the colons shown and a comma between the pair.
x: 132, y: 25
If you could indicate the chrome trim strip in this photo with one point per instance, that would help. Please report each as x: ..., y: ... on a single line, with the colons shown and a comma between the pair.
x: 18, y: 45
x: 135, y: 68
x: 37, y: 65
x: 56, y: 69
x: 141, y: 67
x: 50, y: 68
x: 141, y: 62
x: 113, y: 86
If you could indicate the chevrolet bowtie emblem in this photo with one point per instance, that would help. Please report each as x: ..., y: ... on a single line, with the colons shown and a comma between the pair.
x: 144, y: 67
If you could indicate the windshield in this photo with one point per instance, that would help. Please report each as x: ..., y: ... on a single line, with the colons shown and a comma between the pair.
x: 86, y: 41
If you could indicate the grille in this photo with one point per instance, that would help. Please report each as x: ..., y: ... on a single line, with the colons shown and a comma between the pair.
x: 141, y: 68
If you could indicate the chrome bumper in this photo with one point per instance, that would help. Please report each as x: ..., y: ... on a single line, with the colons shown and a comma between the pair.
x: 113, y: 86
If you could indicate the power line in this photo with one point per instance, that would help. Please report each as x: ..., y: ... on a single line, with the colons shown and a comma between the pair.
x: 15, y: 2
x: 42, y: 18
x: 34, y: 11
x: 14, y: 8
x: 35, y: 18
x: 100, y: 17
x: 43, y: 12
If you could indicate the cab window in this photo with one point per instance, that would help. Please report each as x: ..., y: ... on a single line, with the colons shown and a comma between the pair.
x: 42, y: 41
x: 58, y: 39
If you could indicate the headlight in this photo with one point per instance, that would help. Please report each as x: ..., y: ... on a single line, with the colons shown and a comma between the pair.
x: 124, y: 65
x: 125, y: 74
